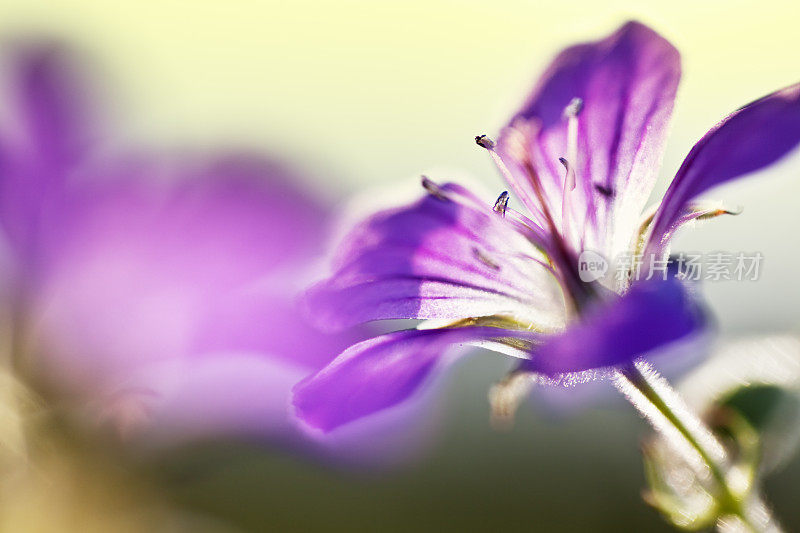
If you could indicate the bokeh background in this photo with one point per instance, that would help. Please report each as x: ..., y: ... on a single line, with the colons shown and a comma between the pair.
x: 361, y: 95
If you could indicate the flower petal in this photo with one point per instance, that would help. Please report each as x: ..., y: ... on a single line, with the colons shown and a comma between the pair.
x: 650, y: 315
x: 627, y: 84
x: 379, y: 373
x: 247, y: 394
x: 48, y: 132
x: 49, y: 97
x: 441, y: 257
x: 147, y: 269
x: 382, y: 372
x: 748, y: 140
x: 267, y: 320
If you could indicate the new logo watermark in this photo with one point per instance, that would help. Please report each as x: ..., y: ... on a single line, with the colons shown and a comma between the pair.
x: 591, y: 266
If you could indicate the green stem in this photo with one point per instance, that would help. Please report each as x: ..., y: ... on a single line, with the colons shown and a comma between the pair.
x: 664, y: 399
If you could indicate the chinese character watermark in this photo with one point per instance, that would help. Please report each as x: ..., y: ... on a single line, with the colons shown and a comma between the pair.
x: 714, y: 266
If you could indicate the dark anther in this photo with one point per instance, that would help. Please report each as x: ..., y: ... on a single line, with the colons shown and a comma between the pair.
x: 502, y: 203
x: 608, y: 192
x: 721, y: 211
x: 484, y: 142
x: 433, y: 189
x: 564, y: 162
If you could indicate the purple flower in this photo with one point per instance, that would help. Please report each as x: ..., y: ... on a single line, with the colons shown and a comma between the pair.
x: 581, y: 156
x: 155, y: 293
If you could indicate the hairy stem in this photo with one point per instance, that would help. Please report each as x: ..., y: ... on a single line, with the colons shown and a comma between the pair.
x: 653, y: 397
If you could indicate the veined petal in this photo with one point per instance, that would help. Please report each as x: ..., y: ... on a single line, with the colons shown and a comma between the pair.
x: 379, y: 373
x: 382, y: 372
x: 748, y: 140
x: 626, y: 84
x: 441, y: 257
x: 650, y: 315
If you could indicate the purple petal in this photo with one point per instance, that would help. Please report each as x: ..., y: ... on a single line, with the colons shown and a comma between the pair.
x: 438, y: 258
x: 651, y: 315
x: 47, y: 136
x: 382, y: 372
x: 267, y: 321
x: 151, y: 272
x: 627, y: 84
x: 248, y: 394
x: 50, y: 100
x: 748, y: 140
x: 191, y: 214
x: 378, y: 374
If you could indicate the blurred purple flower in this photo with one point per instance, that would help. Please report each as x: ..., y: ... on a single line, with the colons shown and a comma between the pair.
x: 582, y: 156
x: 157, y: 293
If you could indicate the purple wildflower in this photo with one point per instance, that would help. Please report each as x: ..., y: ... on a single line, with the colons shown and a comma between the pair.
x: 155, y: 294
x: 581, y: 155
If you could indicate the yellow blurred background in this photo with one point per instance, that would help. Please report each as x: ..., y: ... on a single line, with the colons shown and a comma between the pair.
x: 365, y: 92
x: 373, y: 91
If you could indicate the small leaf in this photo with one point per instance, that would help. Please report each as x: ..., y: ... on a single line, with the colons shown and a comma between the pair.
x: 772, y: 413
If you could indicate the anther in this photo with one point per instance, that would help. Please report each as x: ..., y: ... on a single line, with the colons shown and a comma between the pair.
x: 721, y: 211
x: 433, y: 189
x: 501, y: 204
x: 484, y: 142
x: 569, y: 180
x: 608, y: 192
x: 573, y: 108
x: 516, y: 139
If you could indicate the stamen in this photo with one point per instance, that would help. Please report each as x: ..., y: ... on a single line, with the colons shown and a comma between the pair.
x: 570, y: 179
x: 484, y: 142
x: 530, y: 229
x: 501, y: 204
x: 566, y: 209
x: 507, y: 395
x: 721, y: 211
x: 571, y: 114
x: 433, y: 189
x: 515, y: 147
x: 519, y: 137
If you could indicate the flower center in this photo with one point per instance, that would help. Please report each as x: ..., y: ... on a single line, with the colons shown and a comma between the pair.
x: 516, y: 145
